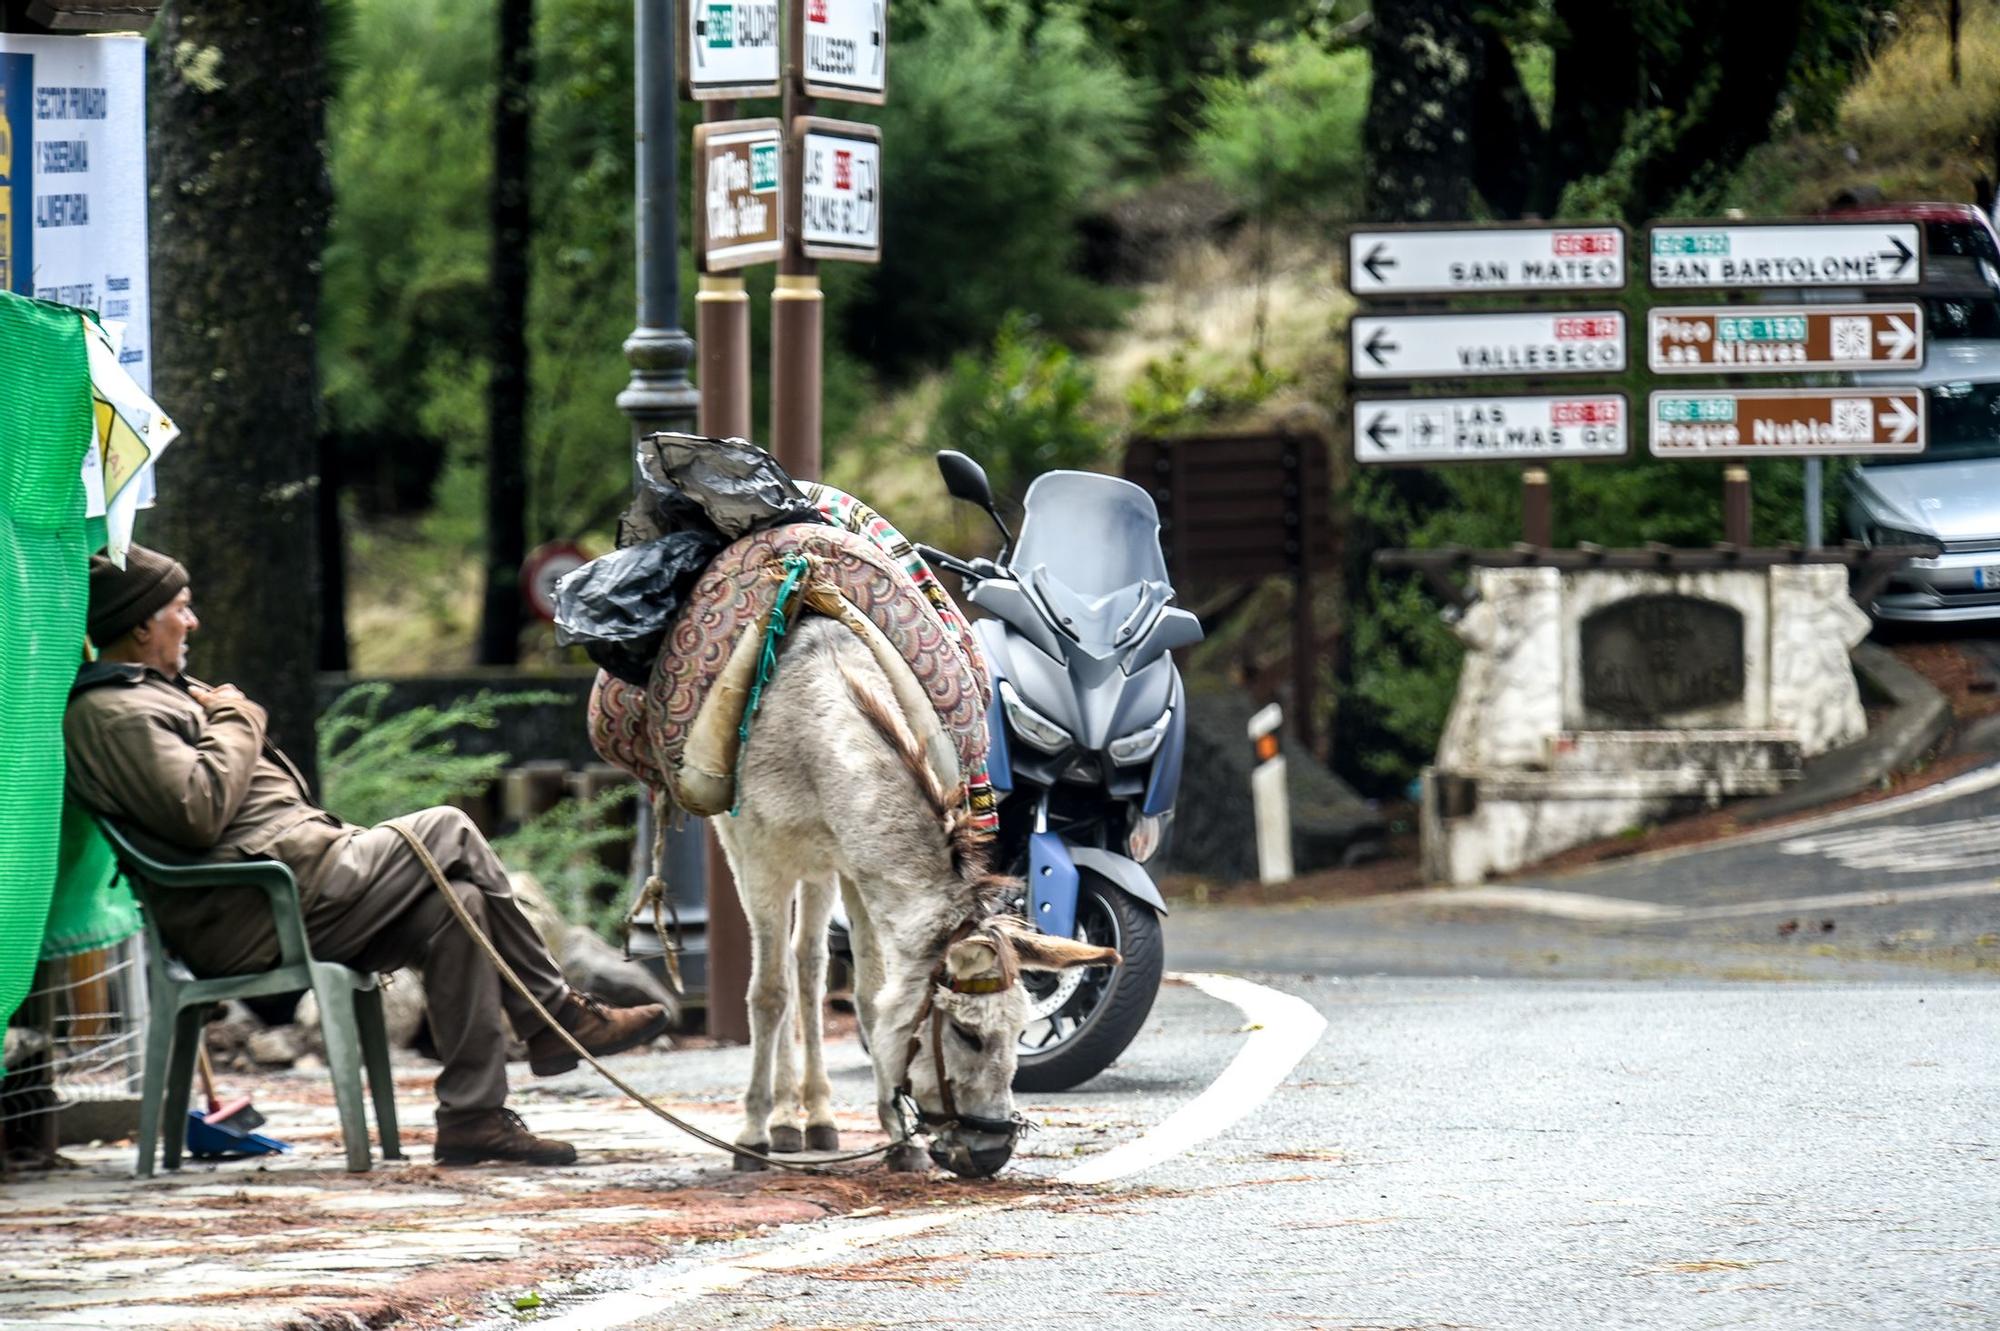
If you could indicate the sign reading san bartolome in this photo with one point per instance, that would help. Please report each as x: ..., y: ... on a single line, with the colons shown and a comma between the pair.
x: 1803, y: 254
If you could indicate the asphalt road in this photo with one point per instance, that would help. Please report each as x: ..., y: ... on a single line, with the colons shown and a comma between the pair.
x: 1514, y: 1118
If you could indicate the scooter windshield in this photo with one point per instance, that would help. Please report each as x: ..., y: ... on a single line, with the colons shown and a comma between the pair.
x: 1090, y: 550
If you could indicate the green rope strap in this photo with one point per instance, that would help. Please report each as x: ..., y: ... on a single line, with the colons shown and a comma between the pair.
x: 767, y: 664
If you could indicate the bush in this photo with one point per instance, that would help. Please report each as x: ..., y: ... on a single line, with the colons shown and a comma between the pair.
x: 374, y: 767
x: 1020, y: 411
x: 1288, y: 138
x: 997, y: 130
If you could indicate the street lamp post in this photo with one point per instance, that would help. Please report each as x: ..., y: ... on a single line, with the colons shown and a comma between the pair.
x: 659, y: 395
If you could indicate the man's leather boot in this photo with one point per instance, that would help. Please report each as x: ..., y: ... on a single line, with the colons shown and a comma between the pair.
x: 468, y: 1136
x: 600, y: 1029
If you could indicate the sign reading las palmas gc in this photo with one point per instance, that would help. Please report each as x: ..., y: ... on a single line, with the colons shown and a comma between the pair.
x: 839, y: 189
x: 1490, y: 429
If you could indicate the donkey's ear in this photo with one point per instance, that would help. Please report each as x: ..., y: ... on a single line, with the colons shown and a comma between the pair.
x: 972, y: 958
x: 1046, y: 952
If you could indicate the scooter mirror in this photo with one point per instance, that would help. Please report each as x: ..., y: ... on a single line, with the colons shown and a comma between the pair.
x: 964, y: 478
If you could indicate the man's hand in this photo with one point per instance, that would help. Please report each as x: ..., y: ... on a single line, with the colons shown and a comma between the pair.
x: 212, y: 698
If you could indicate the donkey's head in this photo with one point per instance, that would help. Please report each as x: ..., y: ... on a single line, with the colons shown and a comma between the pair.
x: 964, y: 1044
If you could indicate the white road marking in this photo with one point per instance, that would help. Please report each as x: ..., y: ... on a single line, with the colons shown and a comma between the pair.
x: 1616, y: 910
x: 1969, y: 843
x: 1282, y: 1029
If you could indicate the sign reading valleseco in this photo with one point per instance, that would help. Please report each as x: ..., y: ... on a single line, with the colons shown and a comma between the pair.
x: 738, y: 164
x: 1421, y: 261
x: 1804, y: 421
x: 841, y: 48
x: 1472, y: 346
x: 1804, y: 254
x: 1491, y: 429
x: 1770, y: 339
x: 730, y: 50
x: 839, y: 189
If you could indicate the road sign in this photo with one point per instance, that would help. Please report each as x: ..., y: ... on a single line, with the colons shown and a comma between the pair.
x: 1422, y: 261
x: 545, y: 566
x: 1772, y: 339
x: 841, y: 48
x: 737, y: 167
x: 1489, y: 429
x: 839, y: 189
x: 1803, y: 254
x: 730, y: 50
x: 1808, y: 421
x: 1474, y: 346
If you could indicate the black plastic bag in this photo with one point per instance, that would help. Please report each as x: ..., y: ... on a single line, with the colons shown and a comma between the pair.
x: 730, y: 486
x: 620, y: 605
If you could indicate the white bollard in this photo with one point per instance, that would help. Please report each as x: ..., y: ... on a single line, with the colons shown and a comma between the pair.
x: 1269, y: 799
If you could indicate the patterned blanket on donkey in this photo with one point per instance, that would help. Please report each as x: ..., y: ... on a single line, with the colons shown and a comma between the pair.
x: 680, y: 733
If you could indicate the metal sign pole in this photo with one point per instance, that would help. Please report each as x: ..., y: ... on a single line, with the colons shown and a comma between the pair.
x: 1814, y: 503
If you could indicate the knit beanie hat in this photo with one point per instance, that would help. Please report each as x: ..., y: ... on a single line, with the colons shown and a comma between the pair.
x: 121, y: 599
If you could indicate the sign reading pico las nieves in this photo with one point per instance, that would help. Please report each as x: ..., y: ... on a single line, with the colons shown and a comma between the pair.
x: 730, y: 50
x: 1751, y: 339
x: 738, y: 165
x: 1491, y: 429
x: 842, y: 48
x: 1472, y: 346
x: 839, y: 189
x: 1786, y: 421
x: 1420, y: 261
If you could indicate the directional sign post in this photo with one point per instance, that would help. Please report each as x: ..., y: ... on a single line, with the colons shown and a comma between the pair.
x: 1786, y: 421
x: 843, y: 48
x: 1418, y: 261
x: 1475, y: 346
x: 729, y: 50
x: 738, y: 209
x: 1406, y: 431
x: 839, y: 189
x: 1739, y: 256
x: 1769, y: 339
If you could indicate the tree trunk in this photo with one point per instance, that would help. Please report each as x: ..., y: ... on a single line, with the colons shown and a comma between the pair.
x: 240, y: 202
x: 1420, y: 108
x: 507, y: 390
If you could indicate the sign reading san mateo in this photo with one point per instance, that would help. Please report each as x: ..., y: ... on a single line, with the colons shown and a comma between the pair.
x: 737, y: 169
x: 843, y: 47
x: 1491, y: 429
x: 1771, y: 339
x: 1786, y: 421
x: 1419, y: 261
x: 1784, y: 254
x: 1441, y: 346
x: 730, y: 50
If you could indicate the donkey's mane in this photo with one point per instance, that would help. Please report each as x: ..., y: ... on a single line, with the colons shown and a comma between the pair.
x: 971, y: 848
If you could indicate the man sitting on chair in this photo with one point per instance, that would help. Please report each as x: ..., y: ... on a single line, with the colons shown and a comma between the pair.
x: 188, y: 763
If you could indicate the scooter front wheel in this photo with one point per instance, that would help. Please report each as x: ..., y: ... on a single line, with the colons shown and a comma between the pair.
x: 1083, y: 1019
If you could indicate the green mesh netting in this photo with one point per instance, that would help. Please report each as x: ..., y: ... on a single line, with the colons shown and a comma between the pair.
x: 93, y: 907
x: 44, y: 587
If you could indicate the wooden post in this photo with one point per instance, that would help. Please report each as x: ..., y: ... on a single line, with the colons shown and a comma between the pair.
x: 1305, y: 642
x: 1736, y: 506
x: 797, y: 312
x: 1537, y: 514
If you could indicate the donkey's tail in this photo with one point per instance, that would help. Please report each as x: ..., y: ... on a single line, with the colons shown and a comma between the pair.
x: 970, y: 846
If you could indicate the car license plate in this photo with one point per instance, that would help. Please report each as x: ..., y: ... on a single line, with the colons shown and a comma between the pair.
x: 1987, y: 579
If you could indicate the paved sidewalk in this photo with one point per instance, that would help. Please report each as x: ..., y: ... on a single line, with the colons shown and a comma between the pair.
x: 296, y: 1241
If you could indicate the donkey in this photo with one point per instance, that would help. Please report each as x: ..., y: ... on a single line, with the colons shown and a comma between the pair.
x: 834, y: 787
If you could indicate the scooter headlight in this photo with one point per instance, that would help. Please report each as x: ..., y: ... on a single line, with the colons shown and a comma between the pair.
x: 1140, y: 745
x: 1143, y: 842
x: 1031, y: 725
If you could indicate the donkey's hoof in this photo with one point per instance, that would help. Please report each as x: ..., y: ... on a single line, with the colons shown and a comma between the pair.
x: 822, y: 1137
x: 786, y: 1140
x: 907, y: 1158
x: 747, y: 1165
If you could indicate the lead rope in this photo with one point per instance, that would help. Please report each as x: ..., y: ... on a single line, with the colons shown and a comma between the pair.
x: 507, y: 972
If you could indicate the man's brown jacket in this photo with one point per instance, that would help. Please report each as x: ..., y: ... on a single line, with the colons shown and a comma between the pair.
x: 141, y: 750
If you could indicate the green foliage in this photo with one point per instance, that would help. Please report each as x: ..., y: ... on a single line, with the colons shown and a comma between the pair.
x: 1172, y: 393
x: 373, y: 767
x: 562, y: 849
x: 1406, y: 671
x: 1020, y: 411
x: 998, y: 131
x: 1288, y: 138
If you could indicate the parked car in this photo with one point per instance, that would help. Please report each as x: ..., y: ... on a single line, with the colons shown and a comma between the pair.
x: 1947, y: 496
x: 1960, y: 290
